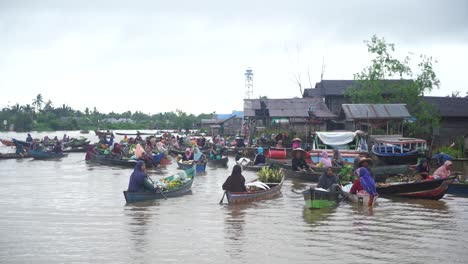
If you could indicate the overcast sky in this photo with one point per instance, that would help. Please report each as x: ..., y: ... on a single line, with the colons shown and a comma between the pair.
x: 157, y: 56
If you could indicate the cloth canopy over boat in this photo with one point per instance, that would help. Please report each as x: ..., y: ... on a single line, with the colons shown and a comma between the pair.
x: 336, y: 138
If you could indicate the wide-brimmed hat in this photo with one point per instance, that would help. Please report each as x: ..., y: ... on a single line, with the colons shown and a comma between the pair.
x: 293, y: 152
x: 369, y: 160
x: 297, y: 139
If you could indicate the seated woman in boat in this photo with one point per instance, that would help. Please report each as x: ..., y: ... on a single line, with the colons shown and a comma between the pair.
x: 57, y: 148
x: 423, y: 169
x: 29, y: 139
x: 139, y: 181
x: 198, y: 156
x: 279, y: 144
x: 117, y: 149
x: 364, y: 183
x: 260, y: 157
x: 188, y: 155
x: 235, y: 182
x: 337, y: 159
x: 20, y: 149
x: 46, y: 140
x: 325, y: 160
x: 443, y: 171
x: 441, y: 158
x: 298, y: 160
x: 296, y: 142
x: 364, y: 163
x: 214, y: 153
x: 328, y: 180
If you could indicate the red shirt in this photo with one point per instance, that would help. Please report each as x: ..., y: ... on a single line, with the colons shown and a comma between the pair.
x: 356, y: 187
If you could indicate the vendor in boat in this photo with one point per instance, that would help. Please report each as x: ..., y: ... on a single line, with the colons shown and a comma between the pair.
x: 443, y: 171
x: 298, y: 160
x: 138, y: 137
x: 188, y: 155
x: 29, y: 139
x: 20, y: 150
x: 235, y: 182
x: 198, y: 156
x: 46, y: 140
x: 57, y: 148
x: 260, y: 157
x: 296, y: 142
x: 423, y: 168
x: 214, y: 153
x: 117, y: 149
x: 364, y: 183
x: 329, y: 181
x: 337, y: 159
x: 279, y: 144
x: 202, y: 141
x: 325, y: 160
x: 441, y: 158
x: 364, y: 163
x: 139, y: 181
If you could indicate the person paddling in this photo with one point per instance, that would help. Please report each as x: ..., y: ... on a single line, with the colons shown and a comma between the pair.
x: 139, y: 180
x: 298, y: 160
x: 235, y: 182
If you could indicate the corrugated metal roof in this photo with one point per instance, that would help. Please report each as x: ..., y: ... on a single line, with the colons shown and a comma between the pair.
x: 292, y: 107
x: 375, y: 111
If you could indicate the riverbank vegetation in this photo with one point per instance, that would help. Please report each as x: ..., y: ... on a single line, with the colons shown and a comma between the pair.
x: 43, y: 115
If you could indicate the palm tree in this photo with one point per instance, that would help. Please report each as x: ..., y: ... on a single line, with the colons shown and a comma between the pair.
x: 38, y: 101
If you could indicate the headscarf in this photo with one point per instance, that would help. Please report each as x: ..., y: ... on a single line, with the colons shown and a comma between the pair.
x: 337, y: 155
x: 197, y: 154
x: 443, y: 171
x: 325, y: 160
x: 367, y: 182
x: 188, y: 153
x: 137, y: 177
x: 259, y: 150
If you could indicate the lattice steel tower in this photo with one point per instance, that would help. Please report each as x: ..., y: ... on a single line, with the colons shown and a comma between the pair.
x: 248, y: 83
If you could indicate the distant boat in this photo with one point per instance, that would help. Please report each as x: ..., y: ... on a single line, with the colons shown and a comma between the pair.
x: 84, y: 131
x: 427, y: 189
x: 103, y: 133
x: 7, y: 142
x: 36, y: 154
x: 395, y: 151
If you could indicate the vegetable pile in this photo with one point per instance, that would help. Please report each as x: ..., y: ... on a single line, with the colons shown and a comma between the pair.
x: 270, y: 175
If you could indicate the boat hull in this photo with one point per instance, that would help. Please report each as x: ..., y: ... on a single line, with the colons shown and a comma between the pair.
x: 219, y: 163
x: 459, y: 189
x: 247, y: 197
x: 302, y: 176
x: 104, y: 160
x: 12, y: 156
x: 45, y: 155
x: 431, y: 189
x: 8, y: 143
x: 397, y: 158
x: 131, y: 197
x: 318, y: 199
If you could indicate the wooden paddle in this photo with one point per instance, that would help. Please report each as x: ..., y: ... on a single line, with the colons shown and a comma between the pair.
x: 222, y: 199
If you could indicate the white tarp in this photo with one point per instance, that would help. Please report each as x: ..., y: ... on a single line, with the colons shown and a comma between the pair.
x: 336, y: 138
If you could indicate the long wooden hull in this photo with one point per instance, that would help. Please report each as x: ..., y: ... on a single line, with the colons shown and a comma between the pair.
x: 255, y: 167
x: 12, y: 156
x: 184, y: 166
x: 318, y: 199
x: 22, y: 143
x: 302, y: 176
x: 102, y: 133
x: 247, y: 197
x: 431, y: 189
x: 219, y: 163
x: 45, y: 155
x: 131, y: 197
x: 75, y: 150
x: 8, y: 143
x: 105, y: 160
x: 459, y: 189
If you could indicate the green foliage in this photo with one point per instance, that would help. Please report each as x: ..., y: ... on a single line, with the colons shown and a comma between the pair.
x: 270, y: 175
x: 414, y: 83
x: 46, y: 117
x: 455, y: 151
x: 346, y: 174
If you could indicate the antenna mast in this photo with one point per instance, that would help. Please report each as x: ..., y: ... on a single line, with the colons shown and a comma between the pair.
x: 248, y: 83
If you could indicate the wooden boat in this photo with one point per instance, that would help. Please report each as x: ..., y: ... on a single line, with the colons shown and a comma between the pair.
x: 183, y: 165
x: 84, y: 131
x: 428, y: 189
x: 7, y: 142
x: 395, y: 150
x: 131, y: 197
x: 360, y: 199
x: 177, y: 152
x: 458, y: 189
x: 247, y: 197
x: 223, y: 162
x: 136, y: 134
x: 75, y: 143
x: 316, y: 198
x: 109, y: 160
x: 254, y: 167
x: 36, y: 154
x: 12, y: 156
x: 75, y: 150
x: 103, y: 133
x: 308, y: 176
x: 22, y: 143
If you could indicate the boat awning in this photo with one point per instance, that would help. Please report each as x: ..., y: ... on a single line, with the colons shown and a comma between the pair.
x: 336, y: 138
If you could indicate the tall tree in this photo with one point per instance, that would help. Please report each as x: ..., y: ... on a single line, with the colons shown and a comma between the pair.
x: 372, y: 87
x: 38, y: 101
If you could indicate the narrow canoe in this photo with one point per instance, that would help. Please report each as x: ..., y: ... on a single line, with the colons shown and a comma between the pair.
x: 103, y: 133
x: 254, y: 167
x: 109, y: 160
x: 429, y: 189
x: 459, y: 189
x: 84, y: 131
x: 223, y: 162
x: 131, y: 197
x: 75, y: 150
x: 184, y: 166
x: 22, y: 143
x: 318, y: 198
x: 45, y: 154
x: 308, y: 176
x: 410, y: 157
x: 12, y: 156
x: 8, y: 143
x: 247, y: 197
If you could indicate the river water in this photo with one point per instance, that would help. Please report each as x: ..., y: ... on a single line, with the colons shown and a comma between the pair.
x: 70, y: 211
